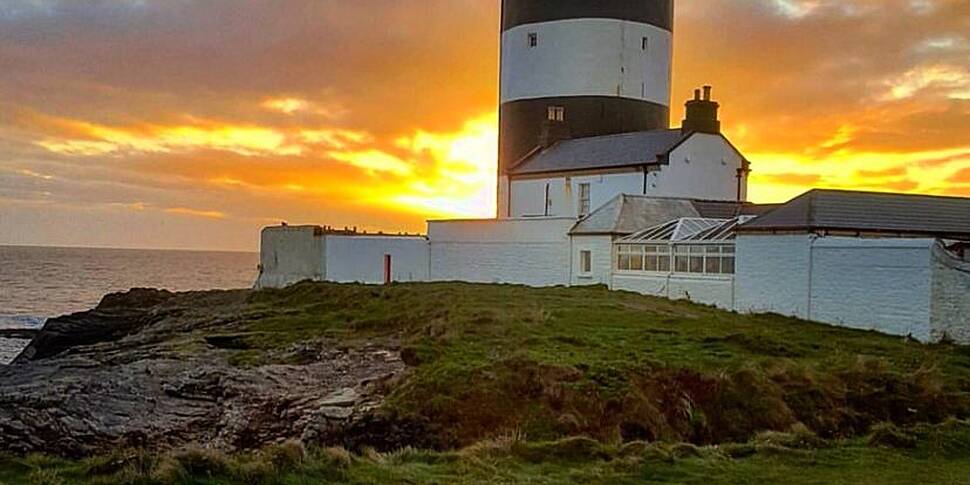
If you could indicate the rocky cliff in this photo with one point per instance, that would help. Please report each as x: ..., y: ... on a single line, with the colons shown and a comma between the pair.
x: 150, y: 369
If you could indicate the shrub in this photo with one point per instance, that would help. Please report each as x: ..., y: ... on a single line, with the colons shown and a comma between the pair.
x: 889, y: 436
x: 192, y: 462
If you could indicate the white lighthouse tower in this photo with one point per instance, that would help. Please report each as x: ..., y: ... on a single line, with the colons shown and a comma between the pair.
x: 581, y: 68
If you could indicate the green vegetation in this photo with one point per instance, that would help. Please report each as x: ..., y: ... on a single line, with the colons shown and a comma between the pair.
x: 942, y: 456
x: 582, y: 385
x: 560, y: 362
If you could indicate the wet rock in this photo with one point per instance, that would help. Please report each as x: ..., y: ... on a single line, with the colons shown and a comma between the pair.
x: 343, y: 398
x: 131, y: 373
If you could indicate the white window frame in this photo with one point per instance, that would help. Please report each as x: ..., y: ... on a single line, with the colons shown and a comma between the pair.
x: 556, y: 113
x: 635, y: 258
x: 585, y: 190
x: 585, y: 262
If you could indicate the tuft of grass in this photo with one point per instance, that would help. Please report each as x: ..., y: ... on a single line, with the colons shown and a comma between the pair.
x: 941, y: 455
x: 888, y: 435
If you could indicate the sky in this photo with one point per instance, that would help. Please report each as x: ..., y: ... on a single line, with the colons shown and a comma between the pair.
x: 192, y: 124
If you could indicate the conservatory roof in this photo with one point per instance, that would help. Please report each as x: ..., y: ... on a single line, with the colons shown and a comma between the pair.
x: 688, y: 229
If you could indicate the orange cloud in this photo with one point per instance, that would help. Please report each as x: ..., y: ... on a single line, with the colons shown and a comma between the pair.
x: 196, y: 213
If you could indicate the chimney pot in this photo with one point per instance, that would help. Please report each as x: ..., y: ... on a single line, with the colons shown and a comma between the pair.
x: 697, y: 95
x: 707, y: 93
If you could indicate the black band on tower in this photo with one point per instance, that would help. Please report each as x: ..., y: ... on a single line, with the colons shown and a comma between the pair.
x: 521, y: 122
x: 659, y: 13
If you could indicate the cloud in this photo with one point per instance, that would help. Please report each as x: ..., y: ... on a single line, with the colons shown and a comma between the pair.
x: 312, y: 114
x: 209, y: 214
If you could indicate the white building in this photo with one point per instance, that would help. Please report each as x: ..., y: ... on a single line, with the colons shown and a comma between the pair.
x: 290, y: 254
x: 573, y: 177
x: 863, y: 260
x: 594, y: 188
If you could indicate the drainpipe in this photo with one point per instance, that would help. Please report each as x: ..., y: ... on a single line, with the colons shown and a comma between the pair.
x: 811, y: 264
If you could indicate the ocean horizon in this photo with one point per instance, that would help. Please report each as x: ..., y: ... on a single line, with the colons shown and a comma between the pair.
x: 41, y: 282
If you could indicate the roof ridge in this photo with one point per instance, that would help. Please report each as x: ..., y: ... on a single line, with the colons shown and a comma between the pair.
x: 882, y: 194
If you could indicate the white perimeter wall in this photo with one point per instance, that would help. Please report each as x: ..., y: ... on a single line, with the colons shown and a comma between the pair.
x: 360, y: 259
x: 772, y: 274
x: 950, y: 304
x: 710, y: 290
x: 871, y: 284
x: 529, y: 196
x: 289, y: 255
x: 601, y: 251
x: 532, y: 252
x: 704, y: 167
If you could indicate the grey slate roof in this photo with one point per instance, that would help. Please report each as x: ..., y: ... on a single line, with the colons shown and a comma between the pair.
x: 627, y: 214
x: 947, y: 217
x: 623, y: 150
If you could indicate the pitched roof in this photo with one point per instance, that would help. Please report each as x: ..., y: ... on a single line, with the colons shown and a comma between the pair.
x: 870, y: 212
x: 611, y: 151
x: 627, y: 214
x: 717, y: 209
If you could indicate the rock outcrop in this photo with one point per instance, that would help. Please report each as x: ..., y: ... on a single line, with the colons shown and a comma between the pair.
x: 152, y: 369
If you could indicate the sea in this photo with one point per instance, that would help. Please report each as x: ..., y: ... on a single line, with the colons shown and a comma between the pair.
x: 37, y: 283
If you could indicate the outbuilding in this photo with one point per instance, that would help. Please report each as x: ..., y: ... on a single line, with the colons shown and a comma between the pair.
x: 875, y: 261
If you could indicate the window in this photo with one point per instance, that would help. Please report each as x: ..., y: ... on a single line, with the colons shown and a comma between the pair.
x: 547, y: 203
x: 645, y: 43
x: 656, y: 258
x: 533, y: 39
x: 709, y: 259
x: 585, y: 262
x: 556, y: 113
x: 583, y: 200
x: 682, y: 259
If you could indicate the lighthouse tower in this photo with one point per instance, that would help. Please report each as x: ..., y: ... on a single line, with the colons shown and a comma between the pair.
x: 581, y: 68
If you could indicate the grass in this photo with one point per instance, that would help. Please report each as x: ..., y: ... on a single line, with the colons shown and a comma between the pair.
x: 580, y: 385
x: 942, y: 456
x: 558, y: 362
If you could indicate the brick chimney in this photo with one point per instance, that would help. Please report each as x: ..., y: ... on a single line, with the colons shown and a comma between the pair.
x: 702, y: 114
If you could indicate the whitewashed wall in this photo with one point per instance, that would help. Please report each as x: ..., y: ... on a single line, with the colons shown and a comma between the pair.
x: 528, y: 196
x: 532, y: 252
x: 601, y: 251
x: 707, y: 290
x: 289, y: 255
x: 704, y: 167
x: 360, y: 259
x: 950, y: 303
x: 872, y: 284
x: 772, y: 274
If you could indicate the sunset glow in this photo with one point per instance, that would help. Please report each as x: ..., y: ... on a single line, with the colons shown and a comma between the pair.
x: 311, y: 120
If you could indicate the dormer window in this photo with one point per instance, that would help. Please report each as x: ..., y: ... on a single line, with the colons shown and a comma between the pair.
x: 556, y: 113
x: 533, y: 39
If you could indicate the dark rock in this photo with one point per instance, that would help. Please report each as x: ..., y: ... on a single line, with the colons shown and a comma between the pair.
x: 130, y: 374
x: 118, y: 315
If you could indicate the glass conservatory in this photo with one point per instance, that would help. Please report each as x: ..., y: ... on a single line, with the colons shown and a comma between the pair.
x: 689, y: 246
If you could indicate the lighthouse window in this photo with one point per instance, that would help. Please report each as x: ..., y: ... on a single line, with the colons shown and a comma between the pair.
x: 645, y: 44
x: 557, y: 113
x: 533, y: 39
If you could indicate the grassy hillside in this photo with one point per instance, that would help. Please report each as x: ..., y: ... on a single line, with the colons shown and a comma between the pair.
x: 552, y: 363
x: 578, y: 385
